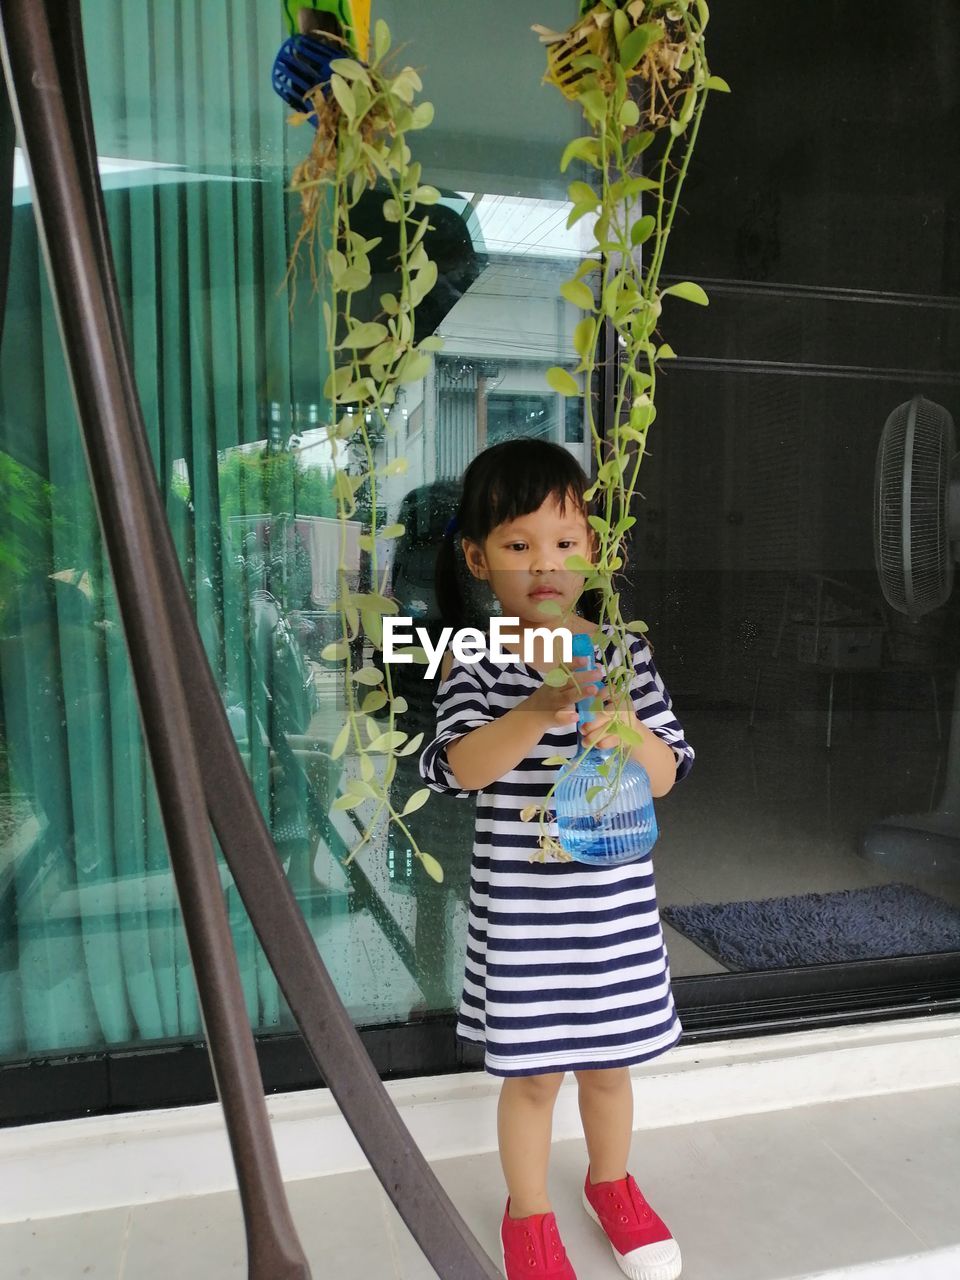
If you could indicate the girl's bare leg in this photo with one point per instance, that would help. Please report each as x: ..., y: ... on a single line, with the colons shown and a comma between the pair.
x: 606, y: 1109
x: 524, y: 1128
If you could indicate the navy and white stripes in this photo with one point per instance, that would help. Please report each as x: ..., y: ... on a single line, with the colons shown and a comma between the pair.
x: 566, y: 967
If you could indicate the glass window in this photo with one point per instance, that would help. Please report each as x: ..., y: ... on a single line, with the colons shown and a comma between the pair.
x: 230, y: 367
x: 824, y: 718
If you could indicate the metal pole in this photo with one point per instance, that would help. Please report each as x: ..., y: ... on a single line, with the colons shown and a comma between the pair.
x: 34, y: 82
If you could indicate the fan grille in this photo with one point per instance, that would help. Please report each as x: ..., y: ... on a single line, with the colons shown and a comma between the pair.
x: 911, y: 540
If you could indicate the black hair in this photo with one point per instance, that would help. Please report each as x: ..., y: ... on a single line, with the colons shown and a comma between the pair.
x: 502, y: 483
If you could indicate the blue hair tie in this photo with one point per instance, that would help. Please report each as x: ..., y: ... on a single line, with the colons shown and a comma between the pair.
x: 451, y: 526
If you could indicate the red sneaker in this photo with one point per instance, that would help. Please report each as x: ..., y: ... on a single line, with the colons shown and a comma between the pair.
x: 532, y: 1247
x: 641, y: 1241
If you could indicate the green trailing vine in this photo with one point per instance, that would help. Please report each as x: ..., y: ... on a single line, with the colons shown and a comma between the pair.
x: 360, y: 145
x: 638, y: 71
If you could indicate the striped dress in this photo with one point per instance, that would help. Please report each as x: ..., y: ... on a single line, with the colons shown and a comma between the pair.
x: 566, y: 967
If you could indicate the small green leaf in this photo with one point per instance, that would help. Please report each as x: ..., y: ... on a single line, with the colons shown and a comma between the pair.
x: 550, y: 608
x: 416, y: 801
x: 397, y: 467
x: 555, y: 678
x: 354, y: 280
x: 336, y: 651
x: 422, y: 283
x: 361, y: 787
x: 412, y: 745
x: 621, y: 25
x: 340, y: 742
x: 337, y: 264
x: 432, y: 867
x: 633, y: 186
x: 686, y: 111
x: 666, y: 352
x: 580, y: 149
x: 413, y: 369
x: 373, y: 627
x: 593, y: 103
x: 346, y: 802
x: 718, y: 83
x: 579, y: 211
x: 584, y: 334
x: 337, y: 381
x: 403, y: 86
x: 629, y: 114
x: 426, y: 195
x: 582, y: 193
x: 350, y: 69
x: 368, y: 675
x: 389, y: 304
x: 370, y: 600
x: 422, y: 115
x: 555, y: 760
x: 690, y: 292
x: 578, y: 564
x: 387, y: 741
x: 381, y: 39
x: 374, y: 700
x: 391, y: 211
x: 562, y: 381
x: 638, y: 42
x: 642, y: 229
x: 364, y: 335
x: 638, y: 143
x: 579, y: 293
x: 392, y: 531
x: 344, y: 96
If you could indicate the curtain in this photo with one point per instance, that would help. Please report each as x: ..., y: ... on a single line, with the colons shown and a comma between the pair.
x: 92, y: 952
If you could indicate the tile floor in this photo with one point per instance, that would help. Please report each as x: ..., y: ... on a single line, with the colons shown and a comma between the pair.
x: 759, y: 1197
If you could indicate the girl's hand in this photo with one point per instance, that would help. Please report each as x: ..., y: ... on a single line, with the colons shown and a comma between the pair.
x: 555, y: 705
x: 593, y: 733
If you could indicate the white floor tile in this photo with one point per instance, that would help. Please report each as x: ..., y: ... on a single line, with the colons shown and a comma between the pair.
x: 89, y: 1244
x: 909, y: 1155
x: 763, y: 1197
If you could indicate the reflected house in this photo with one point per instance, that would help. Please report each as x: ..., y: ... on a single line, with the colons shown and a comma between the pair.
x: 489, y: 381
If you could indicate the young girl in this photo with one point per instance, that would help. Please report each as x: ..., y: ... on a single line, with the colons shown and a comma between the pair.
x: 566, y: 968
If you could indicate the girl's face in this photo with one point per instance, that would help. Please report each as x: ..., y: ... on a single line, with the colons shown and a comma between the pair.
x: 523, y: 560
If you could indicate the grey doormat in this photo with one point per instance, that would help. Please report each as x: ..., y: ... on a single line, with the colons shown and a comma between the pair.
x: 820, y: 928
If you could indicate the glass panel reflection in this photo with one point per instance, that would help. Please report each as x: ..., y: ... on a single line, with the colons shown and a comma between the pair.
x: 816, y: 709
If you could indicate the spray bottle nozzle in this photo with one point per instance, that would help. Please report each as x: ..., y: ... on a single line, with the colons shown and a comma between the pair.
x: 583, y: 648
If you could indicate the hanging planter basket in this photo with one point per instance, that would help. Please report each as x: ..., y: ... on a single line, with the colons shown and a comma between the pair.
x: 328, y: 30
x: 302, y: 66
x: 649, y: 44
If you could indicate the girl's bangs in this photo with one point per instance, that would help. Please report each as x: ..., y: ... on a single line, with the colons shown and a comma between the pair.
x: 516, y: 491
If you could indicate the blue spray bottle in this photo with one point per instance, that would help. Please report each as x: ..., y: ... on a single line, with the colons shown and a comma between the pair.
x: 617, y: 822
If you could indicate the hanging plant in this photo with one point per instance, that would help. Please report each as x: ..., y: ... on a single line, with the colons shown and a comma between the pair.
x: 362, y: 115
x: 638, y: 71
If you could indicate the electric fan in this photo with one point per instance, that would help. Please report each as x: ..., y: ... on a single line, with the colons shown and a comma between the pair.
x: 916, y: 539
